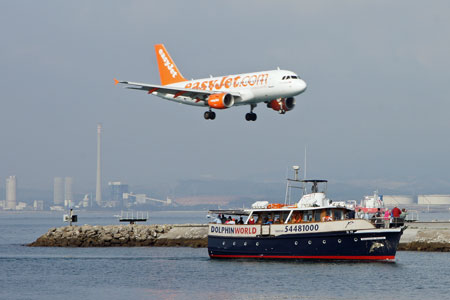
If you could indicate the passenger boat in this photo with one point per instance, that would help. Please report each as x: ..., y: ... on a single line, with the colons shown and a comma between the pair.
x: 372, y: 204
x: 313, y: 228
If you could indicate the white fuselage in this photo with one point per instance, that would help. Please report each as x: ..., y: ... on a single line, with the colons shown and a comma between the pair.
x: 248, y: 88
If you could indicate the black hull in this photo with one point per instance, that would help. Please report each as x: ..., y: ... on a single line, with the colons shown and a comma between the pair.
x: 372, y: 245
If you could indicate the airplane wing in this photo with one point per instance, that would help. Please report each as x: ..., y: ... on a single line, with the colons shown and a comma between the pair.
x: 201, y: 95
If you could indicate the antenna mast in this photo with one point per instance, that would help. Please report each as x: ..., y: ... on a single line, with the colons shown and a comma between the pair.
x: 304, y: 172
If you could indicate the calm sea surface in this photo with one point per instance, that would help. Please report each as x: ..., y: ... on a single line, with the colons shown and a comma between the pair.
x: 185, y: 273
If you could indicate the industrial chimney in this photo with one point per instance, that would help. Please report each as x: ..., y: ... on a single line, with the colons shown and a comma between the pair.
x: 98, y: 192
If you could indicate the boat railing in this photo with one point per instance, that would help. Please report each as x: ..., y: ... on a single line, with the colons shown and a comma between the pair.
x: 379, y: 222
x: 412, y: 216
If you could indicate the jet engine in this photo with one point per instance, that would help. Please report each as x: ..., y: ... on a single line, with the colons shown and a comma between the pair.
x: 282, y: 105
x: 221, y: 101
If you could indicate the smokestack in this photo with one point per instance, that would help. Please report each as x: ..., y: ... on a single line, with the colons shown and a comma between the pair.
x: 98, y: 193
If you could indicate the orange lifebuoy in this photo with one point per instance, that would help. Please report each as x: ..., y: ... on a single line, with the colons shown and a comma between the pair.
x: 275, y: 205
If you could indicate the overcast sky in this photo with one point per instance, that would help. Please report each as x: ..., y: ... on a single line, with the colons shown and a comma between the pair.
x: 375, y: 112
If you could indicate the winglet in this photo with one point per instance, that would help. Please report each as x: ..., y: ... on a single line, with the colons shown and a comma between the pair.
x: 116, y: 81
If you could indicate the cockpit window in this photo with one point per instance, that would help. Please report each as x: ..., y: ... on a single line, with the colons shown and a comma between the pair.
x: 290, y: 77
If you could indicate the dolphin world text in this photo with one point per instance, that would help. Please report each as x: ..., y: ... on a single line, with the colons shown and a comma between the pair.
x: 233, y: 230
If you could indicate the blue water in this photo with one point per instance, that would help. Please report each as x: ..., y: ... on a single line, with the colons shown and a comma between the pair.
x: 185, y: 273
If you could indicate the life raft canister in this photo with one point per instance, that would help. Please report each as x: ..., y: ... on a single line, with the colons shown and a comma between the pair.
x: 275, y: 205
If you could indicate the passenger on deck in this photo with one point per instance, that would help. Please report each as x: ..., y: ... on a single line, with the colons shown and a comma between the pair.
x: 327, y: 218
x: 251, y: 221
x: 277, y: 221
x: 377, y: 219
x: 351, y: 214
x: 293, y: 219
x: 240, y: 221
x: 296, y: 218
x: 232, y: 222
x: 269, y: 221
x: 360, y: 214
x: 228, y: 220
x: 403, y: 214
x: 223, y: 219
x: 387, y: 218
x: 218, y: 220
x: 396, y: 214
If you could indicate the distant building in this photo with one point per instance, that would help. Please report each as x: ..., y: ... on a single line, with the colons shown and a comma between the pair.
x: 86, y: 201
x: 38, y: 205
x: 68, y: 194
x: 58, y: 191
x: 116, y: 190
x: 393, y: 200
x: 433, y: 199
x: 11, y: 187
x: 141, y: 199
x: 21, y: 206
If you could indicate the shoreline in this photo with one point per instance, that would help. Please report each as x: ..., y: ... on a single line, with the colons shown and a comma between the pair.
x: 424, y: 236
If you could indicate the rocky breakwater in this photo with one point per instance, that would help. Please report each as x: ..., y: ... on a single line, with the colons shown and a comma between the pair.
x: 426, y: 236
x: 124, y: 236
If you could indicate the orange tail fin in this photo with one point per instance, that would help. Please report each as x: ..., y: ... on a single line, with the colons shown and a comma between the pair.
x: 168, y: 71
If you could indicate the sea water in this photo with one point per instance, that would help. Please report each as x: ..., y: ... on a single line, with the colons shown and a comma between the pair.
x: 187, y: 273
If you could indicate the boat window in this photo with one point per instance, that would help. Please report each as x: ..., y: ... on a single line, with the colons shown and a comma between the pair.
x: 266, y: 218
x: 338, y: 214
x: 296, y: 217
x: 317, y: 215
x: 284, y: 216
x: 307, y: 216
x: 259, y: 218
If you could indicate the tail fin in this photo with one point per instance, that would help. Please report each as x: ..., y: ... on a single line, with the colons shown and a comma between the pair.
x: 168, y: 71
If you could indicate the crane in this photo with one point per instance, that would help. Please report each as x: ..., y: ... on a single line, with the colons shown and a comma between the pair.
x: 168, y: 201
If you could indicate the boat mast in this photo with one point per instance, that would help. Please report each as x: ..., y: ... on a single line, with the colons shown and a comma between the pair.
x: 287, y: 198
x: 304, y: 171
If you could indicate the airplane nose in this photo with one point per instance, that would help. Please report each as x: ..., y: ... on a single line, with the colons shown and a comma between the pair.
x: 302, y: 85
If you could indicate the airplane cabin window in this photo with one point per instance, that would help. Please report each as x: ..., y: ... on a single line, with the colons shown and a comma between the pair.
x: 284, y: 77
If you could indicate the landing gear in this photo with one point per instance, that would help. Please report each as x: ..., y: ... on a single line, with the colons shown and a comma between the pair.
x: 251, y: 116
x: 209, y: 115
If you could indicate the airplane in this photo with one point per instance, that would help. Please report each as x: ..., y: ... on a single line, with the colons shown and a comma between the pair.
x: 276, y: 88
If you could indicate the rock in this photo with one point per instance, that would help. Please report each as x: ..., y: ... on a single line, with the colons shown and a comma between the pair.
x: 415, y: 239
